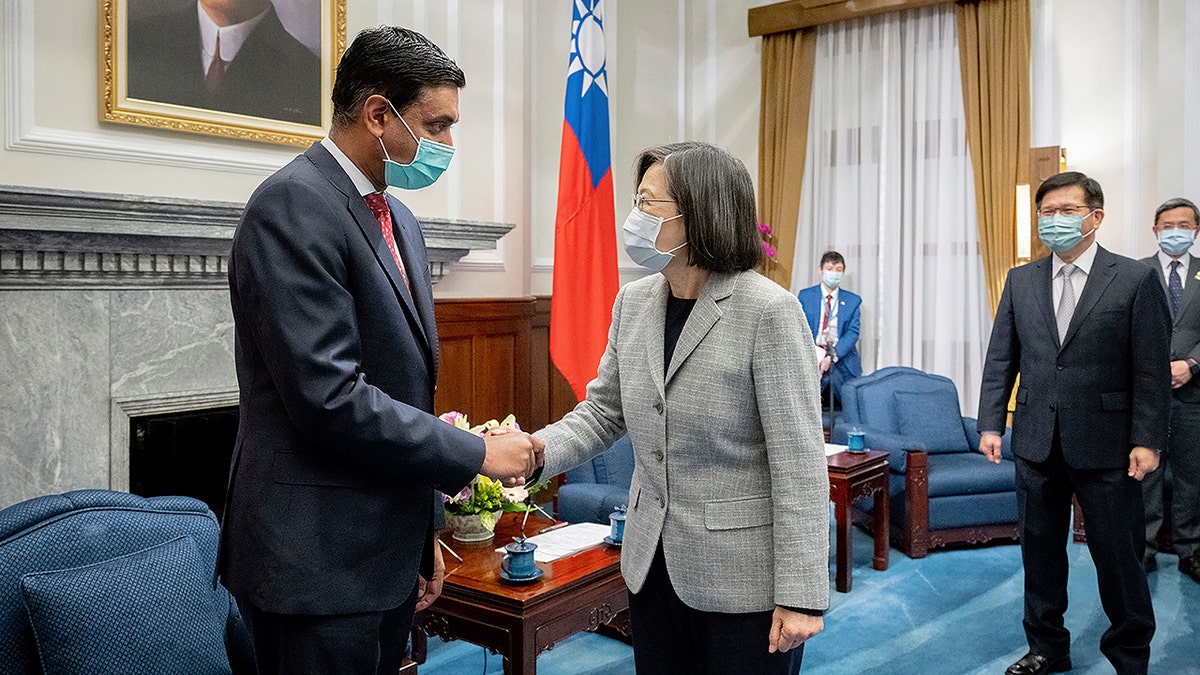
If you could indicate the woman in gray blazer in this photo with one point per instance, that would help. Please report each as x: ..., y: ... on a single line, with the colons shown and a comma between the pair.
x: 710, y: 370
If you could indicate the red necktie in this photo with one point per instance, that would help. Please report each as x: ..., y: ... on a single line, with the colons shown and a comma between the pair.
x: 216, y: 68
x: 383, y: 214
x: 828, y: 311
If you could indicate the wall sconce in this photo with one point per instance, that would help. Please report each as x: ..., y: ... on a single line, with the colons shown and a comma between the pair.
x: 1024, y: 223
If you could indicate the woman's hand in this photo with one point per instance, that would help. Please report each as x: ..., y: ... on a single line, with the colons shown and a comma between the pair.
x: 790, y: 629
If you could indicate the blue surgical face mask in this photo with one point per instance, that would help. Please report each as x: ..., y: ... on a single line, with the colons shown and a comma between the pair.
x: 641, y: 231
x: 1176, y: 242
x: 1061, y: 233
x: 427, y: 165
x: 831, y: 279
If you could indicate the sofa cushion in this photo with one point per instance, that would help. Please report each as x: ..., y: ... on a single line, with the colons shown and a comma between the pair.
x: 969, y: 473
x: 157, y: 610
x: 932, y: 418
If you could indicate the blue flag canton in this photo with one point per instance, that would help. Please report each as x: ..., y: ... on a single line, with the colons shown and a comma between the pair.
x: 586, y: 107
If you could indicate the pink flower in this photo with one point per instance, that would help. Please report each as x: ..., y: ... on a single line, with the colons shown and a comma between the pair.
x: 764, y: 228
x: 769, y: 250
x: 515, y: 495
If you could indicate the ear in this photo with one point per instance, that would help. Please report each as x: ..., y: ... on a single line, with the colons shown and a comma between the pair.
x: 374, y: 110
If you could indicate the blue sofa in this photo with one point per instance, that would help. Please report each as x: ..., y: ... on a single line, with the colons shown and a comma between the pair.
x: 942, y: 489
x: 593, y: 489
x: 96, y: 581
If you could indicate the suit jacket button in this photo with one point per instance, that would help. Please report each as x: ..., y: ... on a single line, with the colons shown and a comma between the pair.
x: 660, y: 501
x: 1060, y: 367
x: 658, y: 407
x: 658, y: 455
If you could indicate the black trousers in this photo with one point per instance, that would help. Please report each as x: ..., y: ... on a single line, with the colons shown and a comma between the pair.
x: 670, y: 637
x: 1112, y: 508
x: 372, y: 643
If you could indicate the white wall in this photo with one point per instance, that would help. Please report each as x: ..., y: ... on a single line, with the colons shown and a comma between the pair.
x: 1114, y: 82
x: 678, y: 70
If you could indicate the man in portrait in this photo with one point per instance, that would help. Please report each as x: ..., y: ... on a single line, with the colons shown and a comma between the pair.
x: 229, y: 55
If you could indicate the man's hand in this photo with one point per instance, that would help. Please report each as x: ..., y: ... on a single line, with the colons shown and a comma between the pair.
x: 1142, y: 461
x: 790, y: 629
x: 1181, y: 373
x: 511, y: 455
x: 826, y: 361
x: 428, y: 591
x: 989, y: 445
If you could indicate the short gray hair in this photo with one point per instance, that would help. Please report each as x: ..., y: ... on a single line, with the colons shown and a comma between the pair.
x: 1177, y: 203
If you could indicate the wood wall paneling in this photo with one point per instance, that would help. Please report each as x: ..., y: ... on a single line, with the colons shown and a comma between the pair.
x: 495, y: 360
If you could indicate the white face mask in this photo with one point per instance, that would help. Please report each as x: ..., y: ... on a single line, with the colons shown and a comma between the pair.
x: 641, y: 231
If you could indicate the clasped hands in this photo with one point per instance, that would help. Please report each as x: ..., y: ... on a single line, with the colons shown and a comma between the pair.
x: 512, y: 455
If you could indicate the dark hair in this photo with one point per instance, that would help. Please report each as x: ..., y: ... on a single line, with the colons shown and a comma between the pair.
x: 394, y: 62
x: 1177, y: 203
x: 831, y: 257
x: 713, y: 191
x: 1093, y: 196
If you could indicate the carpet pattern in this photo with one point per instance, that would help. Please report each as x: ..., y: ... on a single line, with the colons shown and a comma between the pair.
x: 955, y: 611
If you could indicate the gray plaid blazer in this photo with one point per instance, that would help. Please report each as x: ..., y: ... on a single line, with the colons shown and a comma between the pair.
x: 729, y: 466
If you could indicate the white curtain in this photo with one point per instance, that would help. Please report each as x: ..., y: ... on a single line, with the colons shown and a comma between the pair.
x: 888, y: 184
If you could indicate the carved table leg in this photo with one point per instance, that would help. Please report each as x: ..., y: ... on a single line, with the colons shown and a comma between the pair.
x: 845, y: 554
x: 882, y: 524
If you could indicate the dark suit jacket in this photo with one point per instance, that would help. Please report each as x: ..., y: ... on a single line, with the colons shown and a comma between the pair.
x: 848, y: 365
x: 1185, y: 326
x: 1108, y: 385
x: 332, y: 480
x: 272, y: 76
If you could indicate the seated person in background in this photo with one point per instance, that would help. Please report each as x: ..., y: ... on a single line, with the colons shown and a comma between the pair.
x: 833, y: 311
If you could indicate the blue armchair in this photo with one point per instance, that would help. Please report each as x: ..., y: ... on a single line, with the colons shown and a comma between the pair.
x: 101, y: 582
x: 593, y: 489
x: 942, y: 489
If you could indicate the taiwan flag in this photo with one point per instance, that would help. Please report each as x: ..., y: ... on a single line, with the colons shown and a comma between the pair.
x: 585, y: 240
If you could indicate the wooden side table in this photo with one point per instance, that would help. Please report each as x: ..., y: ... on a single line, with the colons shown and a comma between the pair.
x: 853, y: 475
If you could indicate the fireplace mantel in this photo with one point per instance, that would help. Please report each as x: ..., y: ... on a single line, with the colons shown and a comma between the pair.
x: 64, y: 238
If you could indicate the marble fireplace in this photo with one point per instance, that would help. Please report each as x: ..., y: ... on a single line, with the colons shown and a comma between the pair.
x: 115, y: 308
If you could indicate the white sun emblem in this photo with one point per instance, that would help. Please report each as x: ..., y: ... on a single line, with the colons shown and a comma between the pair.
x: 587, y: 46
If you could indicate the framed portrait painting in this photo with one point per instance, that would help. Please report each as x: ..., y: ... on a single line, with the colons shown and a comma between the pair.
x: 259, y: 70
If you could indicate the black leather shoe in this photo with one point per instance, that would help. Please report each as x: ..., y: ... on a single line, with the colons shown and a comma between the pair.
x: 1149, y: 562
x: 1036, y: 664
x: 1191, y: 566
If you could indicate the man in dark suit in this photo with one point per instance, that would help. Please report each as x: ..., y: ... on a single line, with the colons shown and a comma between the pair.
x: 330, y: 508
x: 832, y: 311
x: 228, y: 55
x: 1086, y: 330
x: 1175, y: 224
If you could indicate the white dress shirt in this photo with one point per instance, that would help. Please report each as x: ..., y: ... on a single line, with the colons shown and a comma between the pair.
x: 825, y: 292
x: 1166, y: 260
x: 1084, y: 265
x: 232, y: 37
x: 360, y: 180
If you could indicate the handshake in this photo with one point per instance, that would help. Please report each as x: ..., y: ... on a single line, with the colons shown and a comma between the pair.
x: 512, y: 456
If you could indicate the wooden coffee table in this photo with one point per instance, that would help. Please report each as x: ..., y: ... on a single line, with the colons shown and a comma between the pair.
x: 576, y: 593
x: 853, y: 475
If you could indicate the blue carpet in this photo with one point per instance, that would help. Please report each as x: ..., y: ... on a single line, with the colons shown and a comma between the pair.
x: 952, y: 612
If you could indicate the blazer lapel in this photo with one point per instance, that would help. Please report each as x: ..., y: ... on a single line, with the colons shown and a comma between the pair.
x: 656, y: 325
x: 703, y: 317
x: 416, y: 263
x: 1044, y: 294
x: 1190, y: 286
x: 361, y: 213
x: 1100, y: 277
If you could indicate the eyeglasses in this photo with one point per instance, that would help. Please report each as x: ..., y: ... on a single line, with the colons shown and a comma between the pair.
x: 1066, y: 211
x: 640, y: 201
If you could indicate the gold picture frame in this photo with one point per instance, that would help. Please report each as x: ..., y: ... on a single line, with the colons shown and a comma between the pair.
x: 154, y: 42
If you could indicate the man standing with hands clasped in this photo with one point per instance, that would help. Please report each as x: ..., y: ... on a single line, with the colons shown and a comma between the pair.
x: 1175, y: 225
x: 329, y: 519
x: 1087, y: 332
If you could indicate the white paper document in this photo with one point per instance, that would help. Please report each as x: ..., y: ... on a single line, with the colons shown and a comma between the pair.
x: 834, y: 448
x: 564, y: 541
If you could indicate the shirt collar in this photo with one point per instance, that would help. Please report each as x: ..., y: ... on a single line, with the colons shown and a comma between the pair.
x: 1083, y: 262
x: 1165, y: 261
x: 232, y: 37
x: 825, y: 290
x: 360, y: 180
